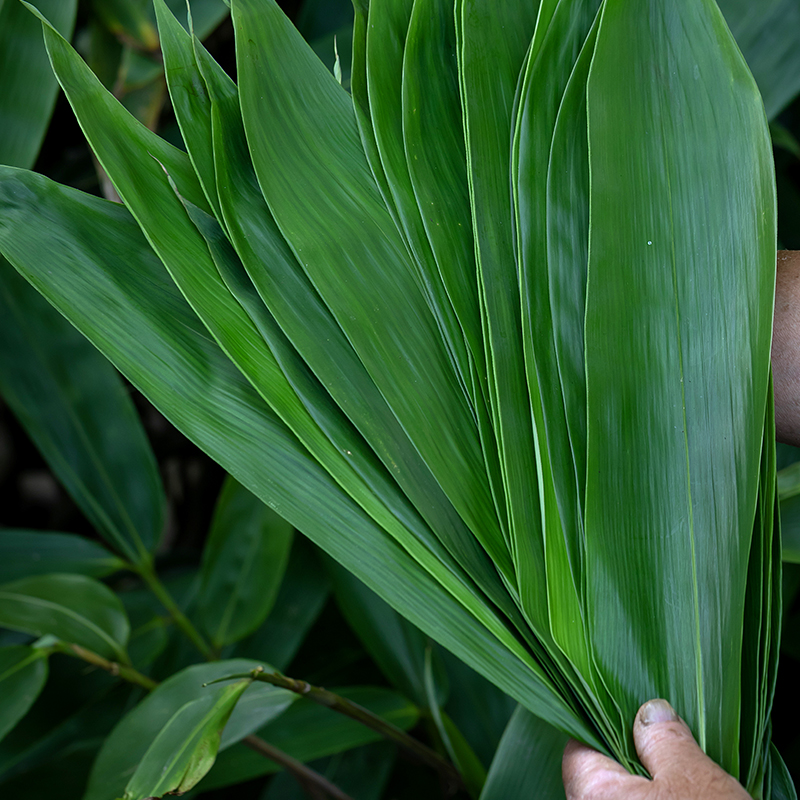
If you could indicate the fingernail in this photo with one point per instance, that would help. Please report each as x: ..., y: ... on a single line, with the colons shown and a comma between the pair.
x: 658, y: 711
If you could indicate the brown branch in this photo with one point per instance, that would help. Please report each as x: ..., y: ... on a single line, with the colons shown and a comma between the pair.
x: 360, y: 714
x: 118, y: 670
x: 315, y: 785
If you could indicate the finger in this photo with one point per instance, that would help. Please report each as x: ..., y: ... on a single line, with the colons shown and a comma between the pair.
x: 663, y: 740
x: 589, y: 774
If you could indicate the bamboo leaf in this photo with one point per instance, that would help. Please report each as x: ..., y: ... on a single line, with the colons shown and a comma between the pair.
x: 492, y: 48
x: 660, y: 543
x: 118, y: 295
x: 307, y: 322
x: 29, y: 86
x: 243, y: 563
x: 382, y: 311
x: 74, y: 406
x: 527, y: 762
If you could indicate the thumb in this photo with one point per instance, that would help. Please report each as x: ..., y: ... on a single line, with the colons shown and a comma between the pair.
x: 664, y: 742
x: 670, y: 754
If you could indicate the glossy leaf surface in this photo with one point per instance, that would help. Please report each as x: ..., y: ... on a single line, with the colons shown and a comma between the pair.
x: 243, y: 563
x: 126, y: 747
x: 74, y: 608
x: 76, y: 409
x: 186, y: 747
x: 23, y: 672
x: 25, y: 553
x: 699, y: 513
x: 198, y: 383
x: 527, y: 762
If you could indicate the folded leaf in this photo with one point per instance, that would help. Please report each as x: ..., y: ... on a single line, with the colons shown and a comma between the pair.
x: 126, y: 747
x: 186, y: 747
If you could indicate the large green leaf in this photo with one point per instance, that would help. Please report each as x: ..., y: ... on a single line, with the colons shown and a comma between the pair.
x: 23, y: 672
x: 338, y: 231
x: 200, y: 392
x: 561, y: 526
x: 74, y: 406
x: 299, y: 310
x: 655, y: 544
x: 24, y: 553
x: 74, y: 608
x: 243, y: 563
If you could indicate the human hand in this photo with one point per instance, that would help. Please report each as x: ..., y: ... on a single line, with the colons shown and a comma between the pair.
x: 667, y: 749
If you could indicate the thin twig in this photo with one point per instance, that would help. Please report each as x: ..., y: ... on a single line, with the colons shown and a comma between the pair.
x: 180, y: 619
x: 338, y: 703
x: 118, y: 670
x: 316, y: 785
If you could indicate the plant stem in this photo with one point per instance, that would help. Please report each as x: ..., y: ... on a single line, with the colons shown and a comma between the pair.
x: 337, y: 703
x: 312, y: 782
x: 316, y: 785
x: 119, y: 670
x: 152, y: 580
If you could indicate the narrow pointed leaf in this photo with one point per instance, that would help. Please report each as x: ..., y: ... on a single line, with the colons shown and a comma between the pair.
x: 382, y: 311
x: 25, y: 553
x: 23, y: 672
x: 29, y: 86
x: 243, y: 563
x: 186, y: 747
x: 200, y: 392
x: 126, y: 746
x: 695, y: 232
x: 76, y: 409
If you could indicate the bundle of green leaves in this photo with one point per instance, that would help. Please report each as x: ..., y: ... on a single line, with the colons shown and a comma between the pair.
x: 493, y: 331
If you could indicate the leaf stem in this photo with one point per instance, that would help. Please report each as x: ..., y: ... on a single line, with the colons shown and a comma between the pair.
x: 316, y: 785
x: 152, y: 580
x: 338, y: 703
x: 119, y: 670
x: 312, y: 782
